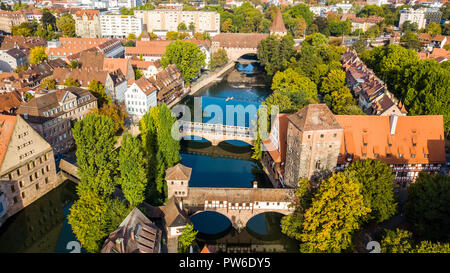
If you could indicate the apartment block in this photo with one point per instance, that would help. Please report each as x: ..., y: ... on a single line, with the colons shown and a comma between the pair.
x: 120, y: 26
x: 160, y: 21
x: 87, y: 24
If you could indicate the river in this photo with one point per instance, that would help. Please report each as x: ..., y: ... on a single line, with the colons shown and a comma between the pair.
x: 229, y: 164
x: 42, y: 226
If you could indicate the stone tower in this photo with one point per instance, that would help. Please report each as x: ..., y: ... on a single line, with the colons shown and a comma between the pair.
x: 278, y: 27
x: 313, y: 142
x: 177, y: 179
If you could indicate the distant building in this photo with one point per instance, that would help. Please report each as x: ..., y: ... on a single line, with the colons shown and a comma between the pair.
x: 71, y: 48
x: 412, y: 16
x: 52, y: 114
x: 147, y: 50
x: 432, y: 41
x: 87, y: 24
x: 24, y: 43
x: 160, y: 21
x: 362, y: 23
x: 8, y: 19
x: 27, y: 166
x: 11, y: 59
x: 136, y: 234
x: 278, y: 27
x: 438, y: 54
x: 149, y: 68
x: 140, y: 96
x: 318, y: 142
x: 120, y: 26
x: 10, y: 102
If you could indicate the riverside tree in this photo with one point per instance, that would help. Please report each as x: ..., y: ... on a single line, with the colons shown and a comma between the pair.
x: 377, y: 187
x: 160, y: 149
x: 133, y: 174
x: 187, y: 56
x: 335, y: 214
x: 274, y: 53
x: 186, y: 238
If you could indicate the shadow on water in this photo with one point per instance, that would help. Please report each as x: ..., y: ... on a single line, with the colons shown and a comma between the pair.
x: 42, y: 226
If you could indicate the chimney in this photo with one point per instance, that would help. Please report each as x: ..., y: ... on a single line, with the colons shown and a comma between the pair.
x: 119, y: 244
x: 255, y: 184
x: 393, y: 123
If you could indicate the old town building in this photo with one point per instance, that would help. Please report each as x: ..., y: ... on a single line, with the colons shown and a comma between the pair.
x: 8, y: 19
x: 51, y: 114
x: 27, y: 166
x: 169, y: 83
x: 8, y: 42
x: 278, y: 27
x: 317, y: 141
x: 372, y: 93
x: 136, y: 234
x: 140, y: 96
x: 87, y: 24
x: 11, y: 59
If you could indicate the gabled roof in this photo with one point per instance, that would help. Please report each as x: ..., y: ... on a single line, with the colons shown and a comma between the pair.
x: 9, y: 101
x: 178, y: 172
x: 145, y: 85
x: 173, y: 215
x: 314, y: 117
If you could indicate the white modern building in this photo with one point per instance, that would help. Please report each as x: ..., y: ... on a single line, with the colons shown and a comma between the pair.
x: 140, y: 96
x: 119, y: 26
x: 413, y: 16
x: 160, y: 21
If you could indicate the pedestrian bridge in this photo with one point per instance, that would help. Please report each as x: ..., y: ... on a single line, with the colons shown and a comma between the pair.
x: 239, y: 205
x: 216, y: 133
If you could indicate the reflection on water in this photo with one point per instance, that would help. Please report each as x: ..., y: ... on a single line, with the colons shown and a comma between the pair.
x: 262, y: 234
x: 41, y: 227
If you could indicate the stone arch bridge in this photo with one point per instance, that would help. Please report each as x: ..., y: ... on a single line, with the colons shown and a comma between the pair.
x: 237, y: 44
x: 239, y: 205
x: 216, y: 133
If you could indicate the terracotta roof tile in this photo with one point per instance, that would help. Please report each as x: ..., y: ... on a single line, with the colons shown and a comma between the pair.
x: 7, y: 124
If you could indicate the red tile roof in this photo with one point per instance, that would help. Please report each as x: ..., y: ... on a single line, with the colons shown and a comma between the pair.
x: 7, y: 124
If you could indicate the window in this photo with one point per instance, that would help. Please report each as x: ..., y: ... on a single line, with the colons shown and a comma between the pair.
x: 318, y: 164
x: 37, y: 186
x: 321, y: 136
x: 13, y: 189
x: 23, y: 194
x: 46, y: 180
x: 15, y: 199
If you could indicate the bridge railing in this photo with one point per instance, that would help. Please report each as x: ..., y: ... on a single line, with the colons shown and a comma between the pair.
x: 215, y: 129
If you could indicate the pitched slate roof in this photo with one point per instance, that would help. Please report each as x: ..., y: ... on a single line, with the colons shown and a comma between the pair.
x: 173, y: 215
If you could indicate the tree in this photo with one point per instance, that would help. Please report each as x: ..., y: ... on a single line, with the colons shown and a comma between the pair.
x: 289, y: 82
x: 95, y: 139
x: 138, y: 74
x: 172, y: 35
x: 130, y: 43
x: 71, y: 82
x: 274, y: 53
x: 218, y: 58
x: 133, y: 175
x: 316, y: 39
x: 116, y: 112
x: 66, y: 24
x: 445, y: 9
x: 181, y: 27
x: 359, y: 46
x: 88, y: 222
x: 131, y: 36
x: 433, y: 28
x: 73, y: 64
x: 187, y: 56
x: 429, y: 247
x: 411, y: 41
x: 97, y: 89
x: 408, y: 26
x: 398, y: 241
x: 192, y: 27
x: 48, y: 20
x: 160, y: 149
x: 282, y: 101
x: 335, y: 214
x: 37, y: 55
x: 377, y: 187
x: 298, y: 27
x: 48, y: 83
x: 333, y: 81
x: 340, y: 100
x: 227, y: 25
x: 92, y: 217
x: 301, y: 11
x: 427, y: 207
x: 186, y: 238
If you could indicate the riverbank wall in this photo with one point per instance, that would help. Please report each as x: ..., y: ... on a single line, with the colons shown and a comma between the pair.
x: 204, y: 81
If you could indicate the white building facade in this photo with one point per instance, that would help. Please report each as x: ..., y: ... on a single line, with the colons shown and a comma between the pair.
x: 139, y: 97
x: 160, y: 21
x: 119, y: 26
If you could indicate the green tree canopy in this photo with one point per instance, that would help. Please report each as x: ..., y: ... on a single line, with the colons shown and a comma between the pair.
x: 187, y: 56
x: 66, y: 24
x: 274, y: 53
x: 427, y: 207
x: 335, y: 214
x: 186, y: 238
x: 377, y: 181
x: 37, y: 55
x: 97, y: 89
